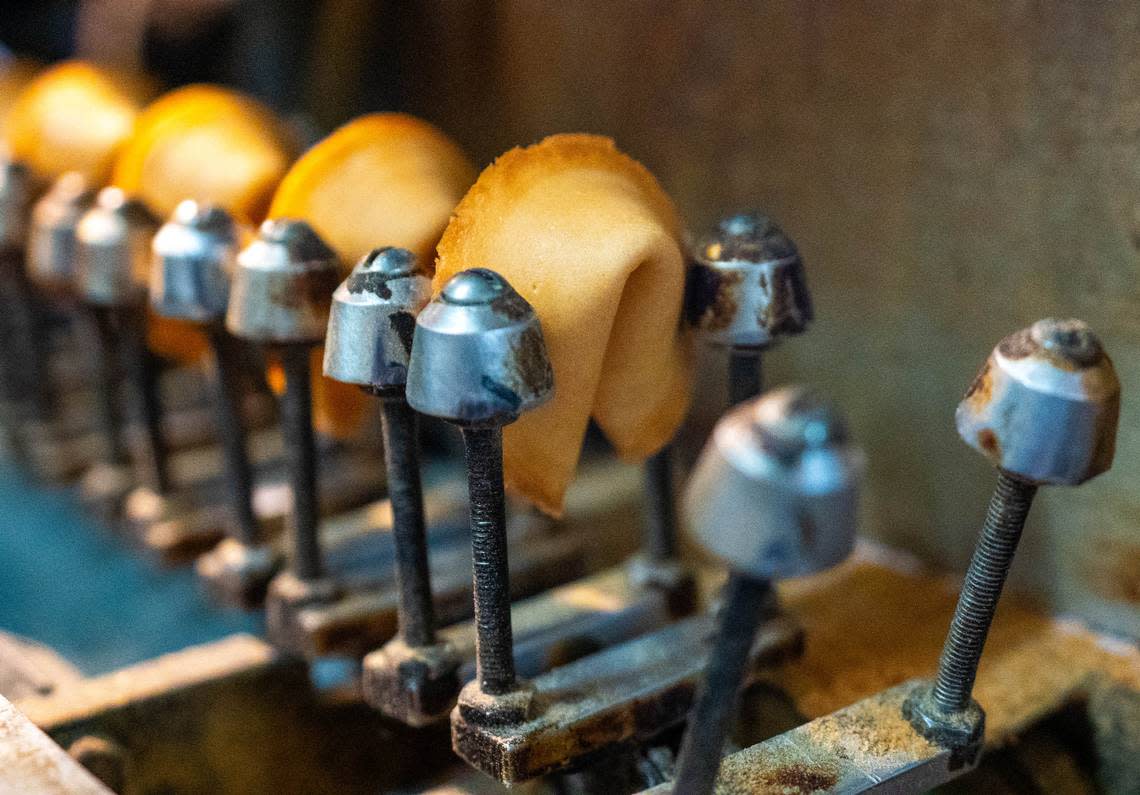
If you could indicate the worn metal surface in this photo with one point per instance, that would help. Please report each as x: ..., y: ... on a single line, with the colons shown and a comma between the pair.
x: 949, y: 172
x: 230, y: 717
x: 478, y: 355
x: 776, y: 489
x: 283, y: 285
x: 1045, y: 405
x: 866, y: 746
x: 627, y: 693
x: 747, y: 288
x: 31, y: 763
x: 193, y: 256
x: 552, y: 628
x: 373, y: 317
x: 363, y: 614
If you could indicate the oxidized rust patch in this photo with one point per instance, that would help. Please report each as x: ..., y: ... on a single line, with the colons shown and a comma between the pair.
x: 802, y: 778
x: 989, y: 442
x: 721, y: 310
x: 1018, y: 345
x: 981, y: 389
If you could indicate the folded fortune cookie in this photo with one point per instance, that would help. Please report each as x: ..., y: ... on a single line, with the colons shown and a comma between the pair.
x: 586, y: 234
x: 386, y: 179
x: 209, y: 144
x: 74, y: 117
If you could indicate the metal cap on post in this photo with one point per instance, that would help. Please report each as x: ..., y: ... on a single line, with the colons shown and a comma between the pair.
x: 747, y: 285
x: 1044, y: 410
x: 113, y: 250
x: 280, y: 298
x: 194, y: 254
x: 282, y: 285
x: 1045, y: 405
x: 52, y: 234
x: 373, y: 320
x: 478, y: 356
x: 369, y: 343
x: 773, y: 495
x: 479, y: 360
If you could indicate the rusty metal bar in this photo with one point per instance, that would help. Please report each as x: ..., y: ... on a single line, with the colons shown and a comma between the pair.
x: 868, y: 746
x: 627, y: 693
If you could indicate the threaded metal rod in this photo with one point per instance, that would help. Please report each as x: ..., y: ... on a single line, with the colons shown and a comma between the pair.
x: 143, y: 376
x: 110, y: 409
x: 494, y: 640
x: 30, y: 338
x: 747, y: 603
x: 997, y: 543
x: 301, y: 457
x: 228, y: 394
x: 745, y: 376
x: 660, y: 541
x: 416, y: 613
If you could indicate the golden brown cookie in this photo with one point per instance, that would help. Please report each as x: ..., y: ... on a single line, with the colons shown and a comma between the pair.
x: 586, y: 234
x: 386, y: 179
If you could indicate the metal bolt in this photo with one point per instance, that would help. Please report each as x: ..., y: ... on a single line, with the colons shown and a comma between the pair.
x: 746, y: 290
x: 112, y: 251
x: 280, y: 297
x: 479, y: 361
x: 301, y: 457
x: 26, y: 353
x: 194, y: 253
x: 774, y: 495
x: 369, y: 343
x: 1044, y: 408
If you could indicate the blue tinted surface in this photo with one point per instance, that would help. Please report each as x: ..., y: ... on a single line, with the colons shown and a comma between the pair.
x: 73, y: 585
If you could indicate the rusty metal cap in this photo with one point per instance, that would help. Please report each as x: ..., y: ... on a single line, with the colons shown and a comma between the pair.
x: 774, y: 493
x: 15, y: 199
x: 373, y: 318
x: 193, y: 258
x: 283, y: 285
x: 51, y: 236
x: 478, y: 356
x: 1045, y: 405
x: 746, y: 285
x: 113, y: 250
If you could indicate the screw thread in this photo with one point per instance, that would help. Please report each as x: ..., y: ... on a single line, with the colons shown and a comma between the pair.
x: 747, y: 603
x: 301, y: 457
x: 494, y: 639
x: 981, y: 590
x: 413, y: 577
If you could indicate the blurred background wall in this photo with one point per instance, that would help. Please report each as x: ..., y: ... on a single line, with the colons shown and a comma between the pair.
x: 951, y: 173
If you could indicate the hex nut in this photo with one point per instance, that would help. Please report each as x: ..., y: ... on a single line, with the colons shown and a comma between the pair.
x: 486, y: 709
x: 961, y: 731
x: 237, y: 573
x: 1045, y: 405
x: 417, y: 685
x: 774, y: 492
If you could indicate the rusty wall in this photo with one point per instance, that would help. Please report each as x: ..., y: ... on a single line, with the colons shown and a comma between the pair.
x: 951, y: 171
